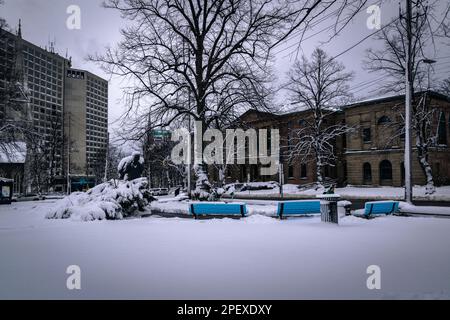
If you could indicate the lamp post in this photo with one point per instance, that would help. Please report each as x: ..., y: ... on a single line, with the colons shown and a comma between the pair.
x: 429, y: 62
x: 68, y: 157
x: 408, y: 104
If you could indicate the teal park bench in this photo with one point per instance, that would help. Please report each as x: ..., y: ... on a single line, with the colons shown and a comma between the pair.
x: 380, y: 207
x: 302, y: 207
x: 217, y: 209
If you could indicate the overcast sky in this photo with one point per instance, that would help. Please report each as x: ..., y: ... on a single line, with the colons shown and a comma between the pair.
x: 45, y: 20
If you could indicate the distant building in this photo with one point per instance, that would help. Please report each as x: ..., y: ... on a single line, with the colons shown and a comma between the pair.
x: 52, y: 93
x: 85, y: 120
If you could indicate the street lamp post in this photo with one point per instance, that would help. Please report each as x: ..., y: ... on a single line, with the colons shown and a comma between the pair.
x: 429, y: 62
x: 408, y: 107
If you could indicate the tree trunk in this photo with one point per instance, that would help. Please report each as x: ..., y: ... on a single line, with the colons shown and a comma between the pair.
x: 422, y: 155
x: 202, y: 186
x: 319, y: 176
x: 222, y: 171
x: 169, y: 181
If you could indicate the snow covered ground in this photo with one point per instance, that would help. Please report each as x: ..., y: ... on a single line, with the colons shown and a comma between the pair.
x: 252, y: 258
x: 352, y: 192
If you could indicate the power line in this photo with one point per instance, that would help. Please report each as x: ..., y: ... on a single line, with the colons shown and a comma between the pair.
x: 363, y: 39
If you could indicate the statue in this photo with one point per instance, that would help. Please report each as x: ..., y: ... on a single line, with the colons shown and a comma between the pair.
x: 131, y: 167
x: 330, y: 190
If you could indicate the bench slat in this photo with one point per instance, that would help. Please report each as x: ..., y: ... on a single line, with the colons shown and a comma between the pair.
x: 217, y: 209
x: 298, y: 207
x: 385, y: 207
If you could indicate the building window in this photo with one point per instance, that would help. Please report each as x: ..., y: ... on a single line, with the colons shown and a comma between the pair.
x: 384, y: 120
x: 327, y: 171
x: 442, y: 130
x: 290, y: 171
x: 303, y: 171
x: 385, y: 170
x: 367, y: 173
x: 367, y: 136
x: 228, y: 172
x: 402, y: 172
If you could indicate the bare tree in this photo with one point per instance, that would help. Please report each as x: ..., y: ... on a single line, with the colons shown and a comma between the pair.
x: 320, y: 86
x: 106, y: 163
x: 445, y: 86
x: 391, y: 61
x: 54, y: 146
x: 203, y: 59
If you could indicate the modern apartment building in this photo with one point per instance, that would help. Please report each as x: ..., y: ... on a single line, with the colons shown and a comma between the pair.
x: 85, y: 120
x: 59, y: 102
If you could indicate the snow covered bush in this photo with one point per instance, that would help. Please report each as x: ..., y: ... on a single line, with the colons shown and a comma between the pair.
x: 260, y: 185
x: 114, y: 199
x: 203, y: 187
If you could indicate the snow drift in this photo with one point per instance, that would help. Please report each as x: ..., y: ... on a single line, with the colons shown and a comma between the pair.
x: 114, y: 199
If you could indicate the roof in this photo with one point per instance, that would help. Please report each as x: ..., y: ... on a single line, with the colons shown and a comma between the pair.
x: 361, y: 103
x: 13, y: 152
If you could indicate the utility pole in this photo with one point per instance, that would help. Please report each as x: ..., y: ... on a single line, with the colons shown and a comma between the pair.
x: 68, y: 156
x: 281, y: 173
x: 105, y: 178
x: 189, y: 152
x: 147, y: 148
x: 408, y: 106
x: 190, y: 137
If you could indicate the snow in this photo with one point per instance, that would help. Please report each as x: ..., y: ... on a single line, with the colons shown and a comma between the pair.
x: 353, y: 192
x: 127, y: 160
x: 257, y: 257
x: 114, y: 199
x: 435, y: 210
x: 13, y: 152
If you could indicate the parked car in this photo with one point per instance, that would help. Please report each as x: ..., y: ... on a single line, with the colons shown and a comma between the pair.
x: 159, y: 191
x: 31, y: 197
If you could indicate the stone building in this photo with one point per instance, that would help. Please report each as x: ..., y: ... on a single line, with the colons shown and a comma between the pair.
x: 371, y: 154
x: 374, y: 152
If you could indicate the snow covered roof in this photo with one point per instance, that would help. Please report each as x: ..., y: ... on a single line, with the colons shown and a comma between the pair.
x: 388, y: 98
x: 13, y: 152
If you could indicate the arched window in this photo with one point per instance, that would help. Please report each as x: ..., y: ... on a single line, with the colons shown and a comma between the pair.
x: 442, y: 130
x: 303, y: 172
x: 367, y: 173
x: 402, y: 172
x: 383, y: 120
x: 326, y: 171
x: 385, y: 170
x: 243, y: 173
x: 291, y: 171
